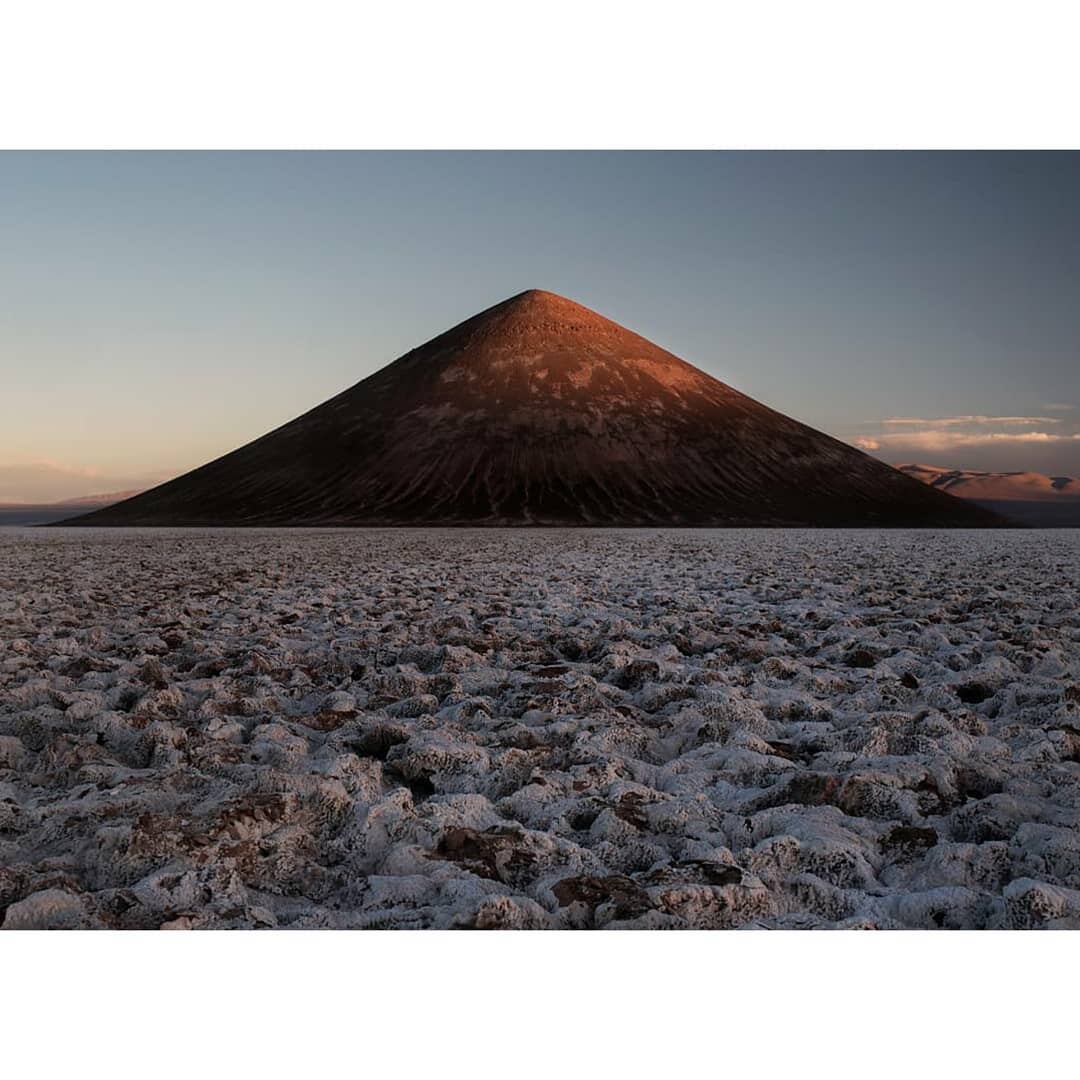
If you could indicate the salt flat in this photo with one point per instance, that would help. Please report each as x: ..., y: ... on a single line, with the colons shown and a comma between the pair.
x: 503, y: 728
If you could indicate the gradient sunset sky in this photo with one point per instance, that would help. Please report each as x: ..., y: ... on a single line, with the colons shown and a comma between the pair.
x: 160, y: 309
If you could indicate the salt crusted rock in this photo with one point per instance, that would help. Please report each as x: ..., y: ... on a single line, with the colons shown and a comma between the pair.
x: 49, y: 909
x: 1031, y: 905
x: 539, y: 730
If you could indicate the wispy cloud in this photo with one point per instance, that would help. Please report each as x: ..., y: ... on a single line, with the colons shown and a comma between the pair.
x: 959, y: 432
x: 941, y: 439
x: 1058, y: 406
x: 968, y: 421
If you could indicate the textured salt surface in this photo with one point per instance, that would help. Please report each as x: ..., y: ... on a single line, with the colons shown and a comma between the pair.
x: 539, y: 729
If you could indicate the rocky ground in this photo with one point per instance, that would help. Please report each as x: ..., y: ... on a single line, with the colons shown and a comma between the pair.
x: 533, y: 729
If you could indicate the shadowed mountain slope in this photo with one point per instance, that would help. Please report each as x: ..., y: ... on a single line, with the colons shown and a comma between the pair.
x: 539, y: 411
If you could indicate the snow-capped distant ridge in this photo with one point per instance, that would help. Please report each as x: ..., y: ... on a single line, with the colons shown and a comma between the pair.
x: 998, y: 486
x: 104, y: 499
x: 540, y: 411
x: 1027, y: 498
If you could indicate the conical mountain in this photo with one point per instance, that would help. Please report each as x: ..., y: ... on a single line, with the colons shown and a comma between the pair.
x: 540, y: 411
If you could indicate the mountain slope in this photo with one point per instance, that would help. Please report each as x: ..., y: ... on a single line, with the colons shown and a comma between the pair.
x: 540, y: 411
x: 999, y: 486
x: 1027, y: 497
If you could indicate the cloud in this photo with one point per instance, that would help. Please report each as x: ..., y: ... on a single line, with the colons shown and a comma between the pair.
x: 968, y: 421
x: 980, y: 433
x: 1058, y: 406
x: 938, y: 439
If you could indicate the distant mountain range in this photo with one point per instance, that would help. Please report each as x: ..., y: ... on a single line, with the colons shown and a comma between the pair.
x: 44, y: 513
x: 1027, y: 497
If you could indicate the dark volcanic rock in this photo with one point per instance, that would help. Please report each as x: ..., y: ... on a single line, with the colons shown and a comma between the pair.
x: 498, y: 854
x: 974, y: 693
x: 539, y: 411
x: 628, y: 898
x: 909, y: 839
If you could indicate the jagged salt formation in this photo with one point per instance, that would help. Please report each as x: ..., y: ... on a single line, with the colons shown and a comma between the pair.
x: 539, y: 729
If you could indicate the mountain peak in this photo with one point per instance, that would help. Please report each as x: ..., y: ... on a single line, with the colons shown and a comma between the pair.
x: 550, y: 311
x: 541, y: 411
x: 541, y: 300
x: 543, y: 348
x: 538, y: 296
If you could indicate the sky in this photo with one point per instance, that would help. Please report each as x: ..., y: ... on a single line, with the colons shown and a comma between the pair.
x: 160, y: 309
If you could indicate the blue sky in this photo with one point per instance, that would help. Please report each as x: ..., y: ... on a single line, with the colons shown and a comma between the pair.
x: 163, y: 308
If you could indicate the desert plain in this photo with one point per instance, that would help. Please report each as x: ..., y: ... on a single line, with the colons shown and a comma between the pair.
x: 534, y: 728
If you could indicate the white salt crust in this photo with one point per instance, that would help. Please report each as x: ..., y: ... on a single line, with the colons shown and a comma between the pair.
x: 534, y: 729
